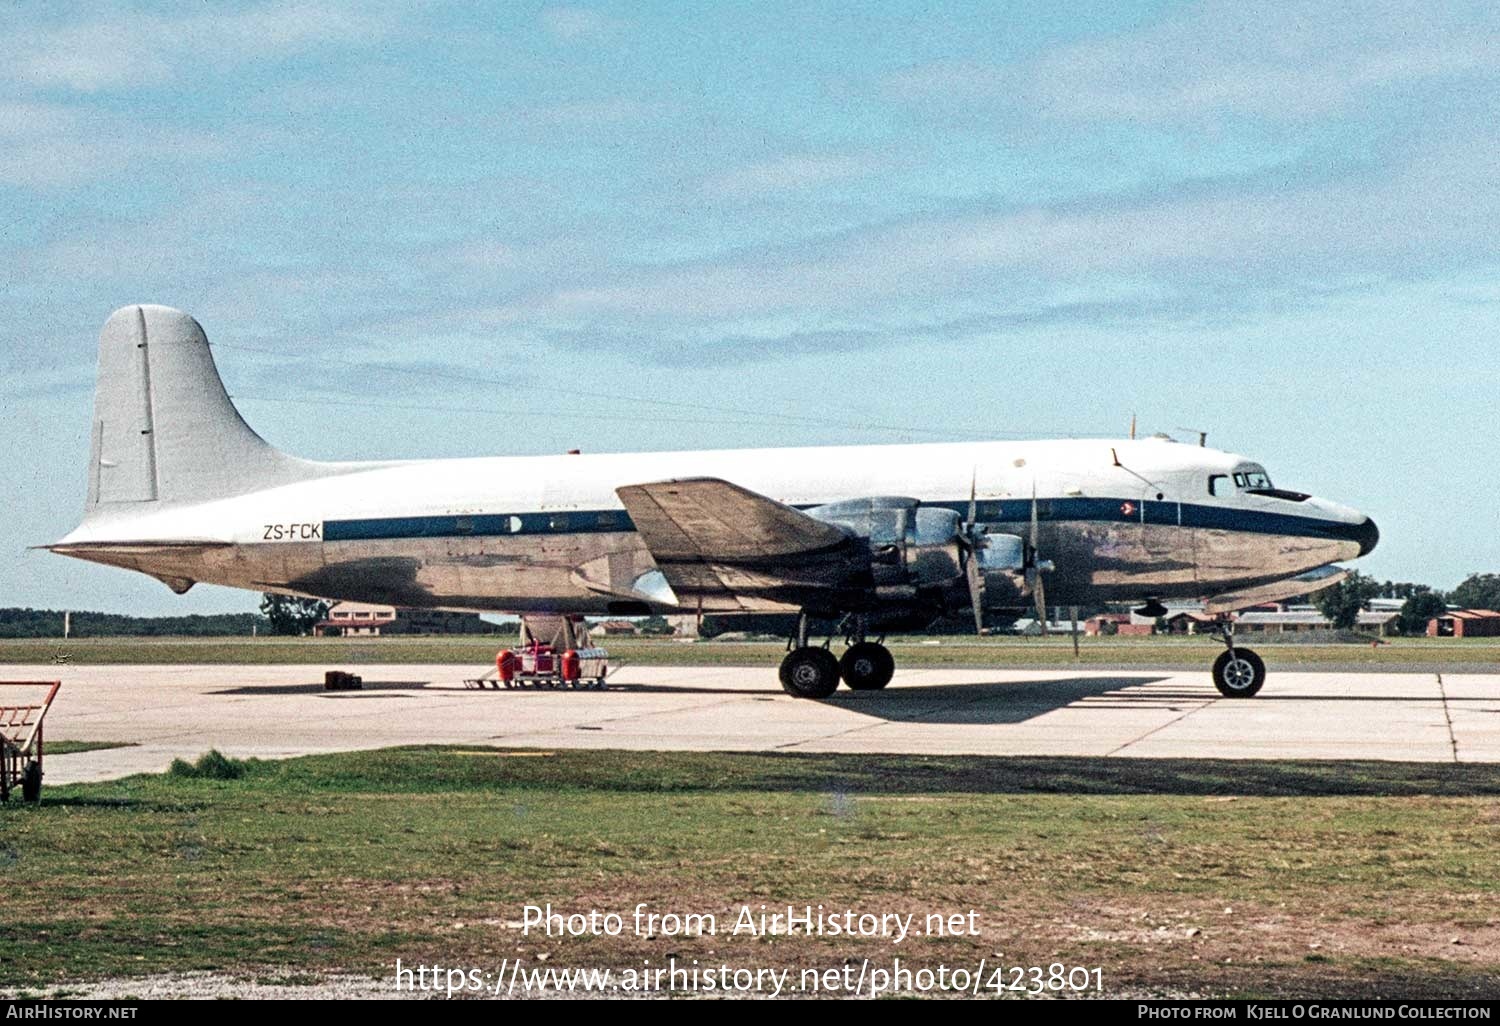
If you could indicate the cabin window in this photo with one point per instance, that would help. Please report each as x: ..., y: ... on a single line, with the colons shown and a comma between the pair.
x: 1218, y: 484
x: 559, y: 522
x: 464, y: 525
x: 606, y: 519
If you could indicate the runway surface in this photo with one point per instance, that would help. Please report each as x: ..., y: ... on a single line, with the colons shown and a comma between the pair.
x: 279, y: 711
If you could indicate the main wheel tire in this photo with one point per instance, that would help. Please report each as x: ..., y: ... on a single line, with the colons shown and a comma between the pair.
x: 31, y: 782
x: 1239, y: 674
x: 810, y: 673
x: 867, y: 666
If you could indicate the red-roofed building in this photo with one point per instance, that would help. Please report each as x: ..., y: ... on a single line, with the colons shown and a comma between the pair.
x: 1465, y: 623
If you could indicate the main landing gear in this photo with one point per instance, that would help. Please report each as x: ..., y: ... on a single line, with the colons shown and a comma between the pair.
x: 812, y: 671
x: 1238, y: 672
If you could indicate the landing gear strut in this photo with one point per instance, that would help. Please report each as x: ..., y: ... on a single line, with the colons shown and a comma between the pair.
x: 812, y: 671
x: 1238, y: 672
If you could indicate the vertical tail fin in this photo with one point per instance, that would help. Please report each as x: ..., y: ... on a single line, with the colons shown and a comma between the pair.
x: 164, y: 428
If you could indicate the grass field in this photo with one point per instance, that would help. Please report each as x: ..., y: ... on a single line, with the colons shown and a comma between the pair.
x: 74, y: 747
x: 1173, y: 877
x: 1473, y: 655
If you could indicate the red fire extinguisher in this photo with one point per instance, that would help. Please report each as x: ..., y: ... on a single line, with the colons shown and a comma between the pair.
x: 505, y: 665
x: 571, y: 666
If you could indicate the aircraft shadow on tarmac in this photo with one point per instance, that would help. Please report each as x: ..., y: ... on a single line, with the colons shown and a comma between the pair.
x: 996, y: 703
x: 985, y: 703
x: 317, y: 688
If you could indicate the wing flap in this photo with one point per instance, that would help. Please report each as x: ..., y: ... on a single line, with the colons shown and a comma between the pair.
x: 733, y: 548
x: 708, y: 517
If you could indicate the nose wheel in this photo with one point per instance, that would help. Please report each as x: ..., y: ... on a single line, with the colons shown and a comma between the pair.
x: 1238, y: 672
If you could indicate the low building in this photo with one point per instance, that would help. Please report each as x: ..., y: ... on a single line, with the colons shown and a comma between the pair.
x: 1465, y: 623
x: 617, y: 628
x: 1189, y: 621
x: 1031, y: 627
x: 1296, y: 621
x: 1104, y: 624
x: 362, y: 619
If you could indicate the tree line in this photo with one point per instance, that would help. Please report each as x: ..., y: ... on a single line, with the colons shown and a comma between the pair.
x: 280, y: 614
x: 1343, y: 602
x: 18, y: 622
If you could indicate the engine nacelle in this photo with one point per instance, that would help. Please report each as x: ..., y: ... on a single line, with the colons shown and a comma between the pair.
x: 934, y: 554
x: 916, y: 548
x: 911, y: 545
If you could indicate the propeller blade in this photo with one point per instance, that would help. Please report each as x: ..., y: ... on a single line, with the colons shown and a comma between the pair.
x: 1033, y: 516
x: 972, y: 539
x: 1037, y: 590
x: 976, y: 590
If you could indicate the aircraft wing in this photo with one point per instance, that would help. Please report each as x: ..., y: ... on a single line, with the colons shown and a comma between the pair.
x: 726, y: 547
x: 1303, y: 584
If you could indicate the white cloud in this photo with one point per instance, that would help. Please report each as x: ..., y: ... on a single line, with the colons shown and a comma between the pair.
x: 574, y: 23
x: 792, y: 172
x: 123, y: 51
x: 611, y: 111
x: 50, y: 146
x: 1278, y: 60
x: 1430, y: 210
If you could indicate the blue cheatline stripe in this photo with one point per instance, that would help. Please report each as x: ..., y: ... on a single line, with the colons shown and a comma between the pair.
x: 486, y: 525
x: 990, y: 511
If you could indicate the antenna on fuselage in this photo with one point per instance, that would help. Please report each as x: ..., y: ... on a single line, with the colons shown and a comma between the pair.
x: 1202, y: 436
x: 1132, y: 427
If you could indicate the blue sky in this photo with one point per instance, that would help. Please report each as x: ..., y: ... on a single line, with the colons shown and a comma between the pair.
x: 413, y: 231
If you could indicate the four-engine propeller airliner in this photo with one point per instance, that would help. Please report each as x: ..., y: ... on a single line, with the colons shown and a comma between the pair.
x: 876, y: 537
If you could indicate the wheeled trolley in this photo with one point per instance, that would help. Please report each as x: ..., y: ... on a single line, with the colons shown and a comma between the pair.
x: 21, y: 735
x: 554, y: 652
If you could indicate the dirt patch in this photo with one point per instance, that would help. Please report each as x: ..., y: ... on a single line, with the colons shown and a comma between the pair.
x: 290, y: 983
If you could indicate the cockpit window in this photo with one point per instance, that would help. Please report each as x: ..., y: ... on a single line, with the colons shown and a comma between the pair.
x: 1251, y: 479
x: 1218, y: 484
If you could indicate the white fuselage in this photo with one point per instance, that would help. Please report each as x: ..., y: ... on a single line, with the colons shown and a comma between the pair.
x: 1118, y: 519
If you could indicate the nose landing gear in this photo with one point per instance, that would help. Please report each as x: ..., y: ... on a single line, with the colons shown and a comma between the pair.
x: 1238, y: 672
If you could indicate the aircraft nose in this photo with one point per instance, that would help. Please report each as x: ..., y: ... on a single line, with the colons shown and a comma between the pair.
x: 1368, y: 536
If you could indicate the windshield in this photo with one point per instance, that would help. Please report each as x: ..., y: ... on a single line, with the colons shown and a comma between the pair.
x: 1252, y: 477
